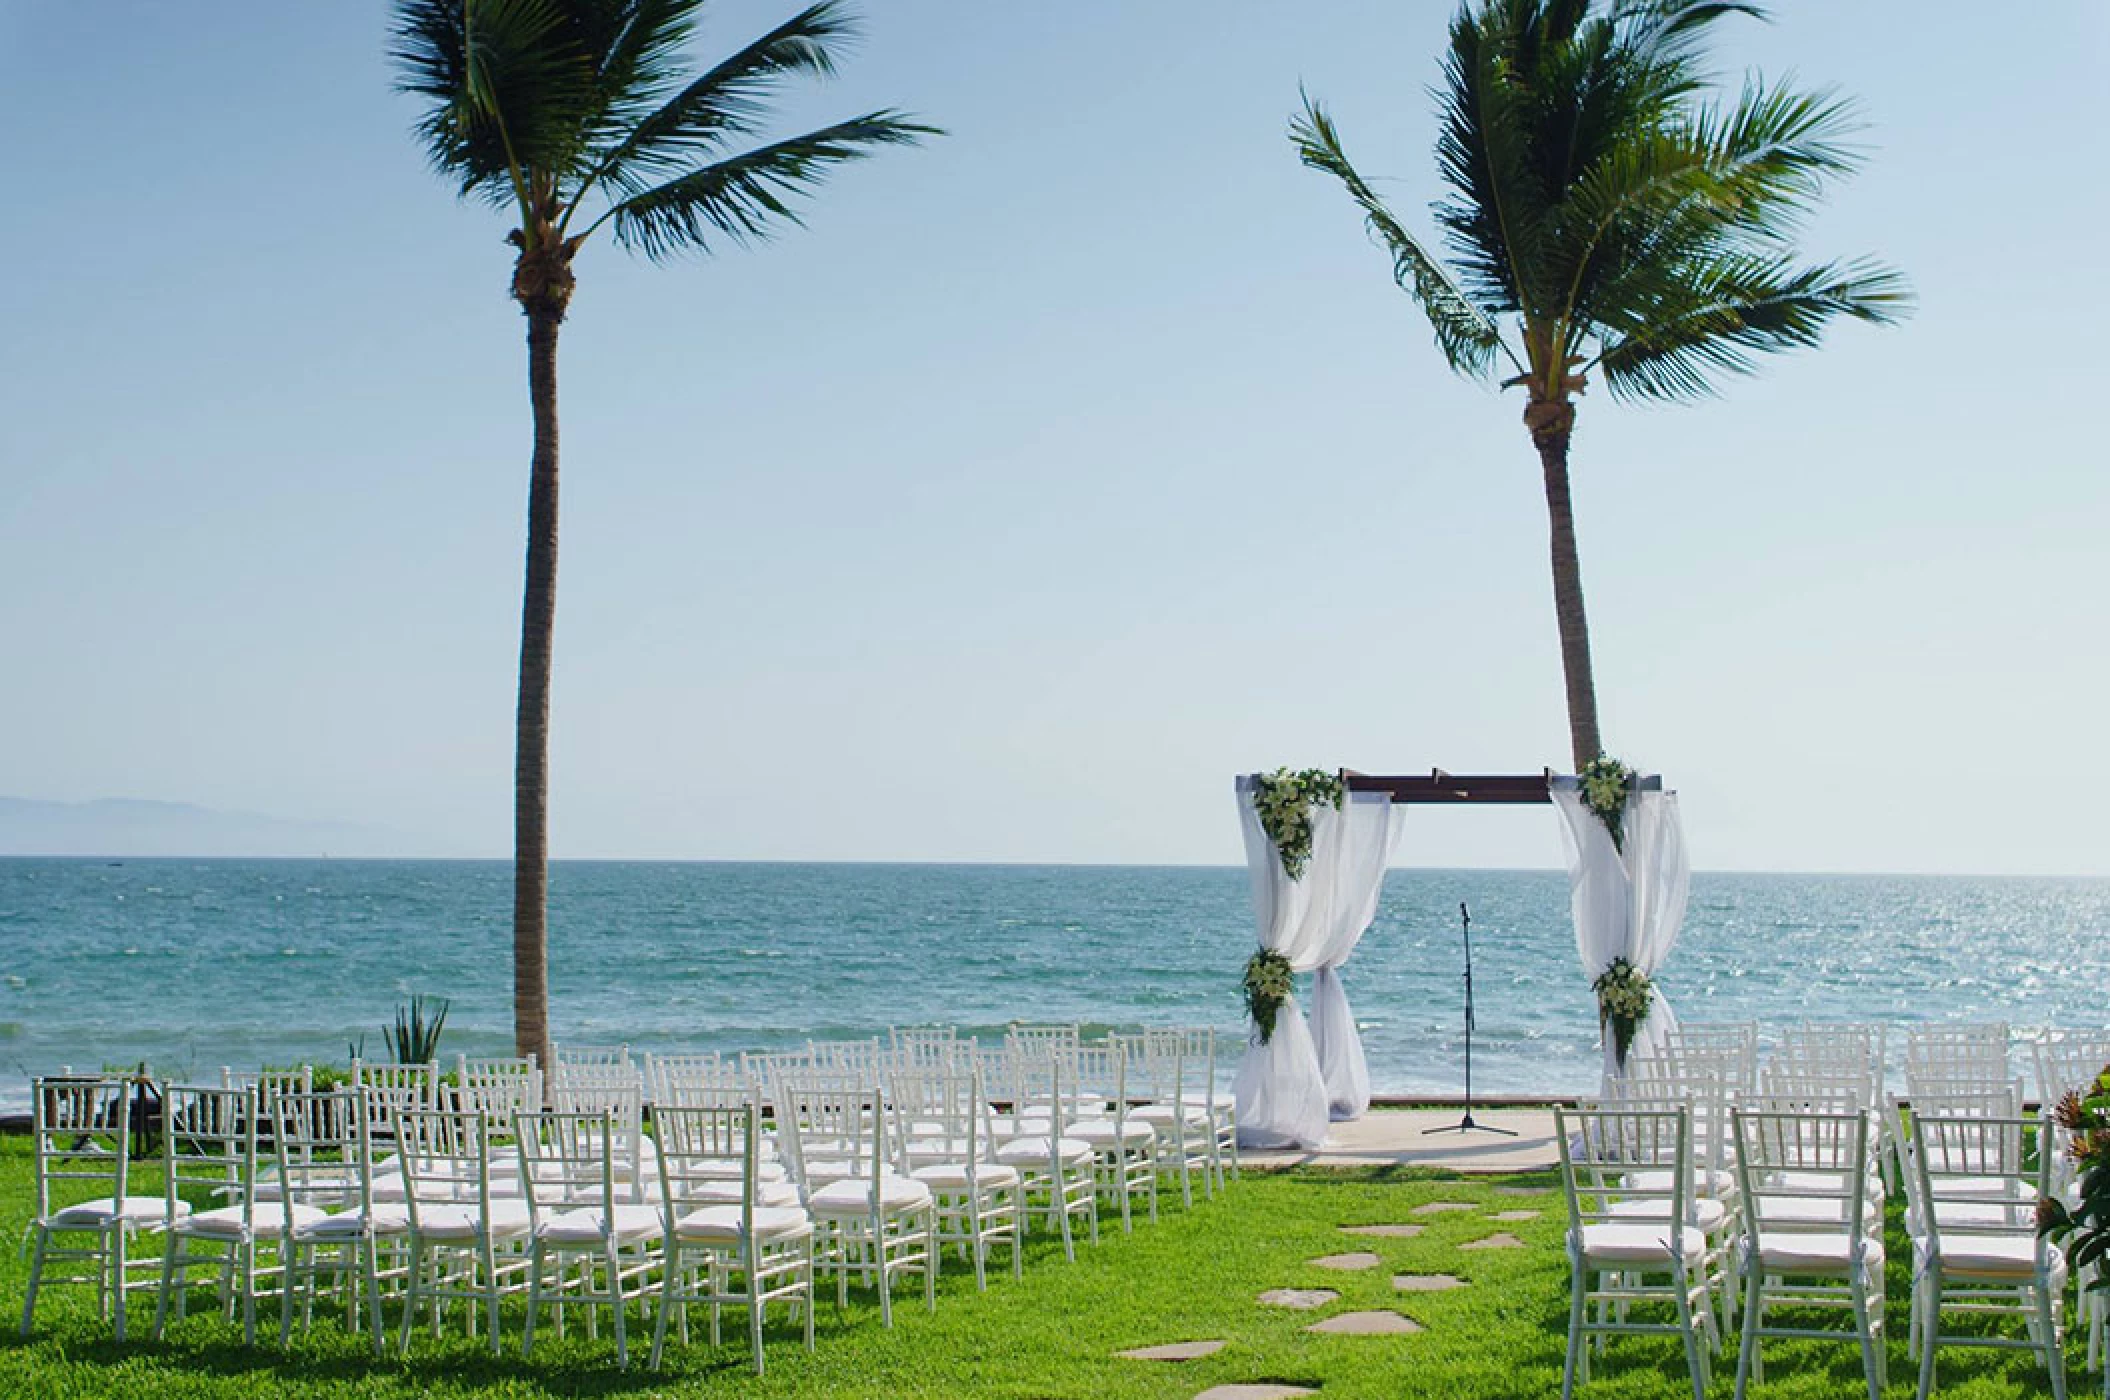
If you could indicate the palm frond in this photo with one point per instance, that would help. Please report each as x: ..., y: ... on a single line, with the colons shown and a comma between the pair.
x: 1721, y: 318
x: 506, y: 81
x: 637, y: 47
x: 1467, y: 336
x: 743, y: 197
x: 729, y: 101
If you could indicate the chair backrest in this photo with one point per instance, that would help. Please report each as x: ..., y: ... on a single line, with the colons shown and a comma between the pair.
x: 82, y: 1128
x: 1707, y: 1091
x: 846, y: 1126
x: 1041, y: 1038
x: 1805, y: 1171
x: 916, y: 1046
x: 1617, y: 1155
x: 943, y: 1105
x: 502, y: 1086
x: 2069, y: 1061
x: 1957, y: 1052
x: 446, y: 1157
x: 698, y: 1081
x: 696, y: 1143
x: 1968, y: 1098
x: 208, y: 1147
x: 393, y: 1090
x: 1971, y: 1176
x: 321, y: 1150
x: 1728, y: 1051
x: 568, y: 1161
x: 269, y: 1083
x: 1820, y: 1090
x: 567, y: 1056
x: 1098, y: 1078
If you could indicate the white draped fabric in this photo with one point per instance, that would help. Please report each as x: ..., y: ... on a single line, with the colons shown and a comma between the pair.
x: 1288, y: 1089
x: 1628, y: 902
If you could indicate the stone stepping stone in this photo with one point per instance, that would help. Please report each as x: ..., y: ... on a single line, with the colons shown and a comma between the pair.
x: 1368, y: 1324
x: 1523, y: 1190
x: 1302, y: 1299
x: 1384, y: 1232
x: 1357, y: 1260
x: 1426, y: 1283
x: 1505, y: 1240
x: 1265, y: 1390
x: 1514, y: 1215
x: 1173, y: 1351
x: 1441, y: 1208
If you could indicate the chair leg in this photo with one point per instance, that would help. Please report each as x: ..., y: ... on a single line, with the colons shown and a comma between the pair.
x: 615, y: 1296
x: 117, y: 1279
x: 1747, y: 1352
x: 2048, y: 1304
x: 527, y: 1333
x: 168, y: 1273
x: 1871, y: 1340
x: 36, y: 1276
x: 1930, y: 1331
x: 1577, y: 1288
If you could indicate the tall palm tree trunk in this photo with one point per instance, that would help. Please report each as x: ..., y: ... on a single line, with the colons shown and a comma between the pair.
x: 538, y: 616
x: 1551, y: 423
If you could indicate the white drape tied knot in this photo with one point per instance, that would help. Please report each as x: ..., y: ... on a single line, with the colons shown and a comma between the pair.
x: 1628, y: 899
x: 1308, y: 1074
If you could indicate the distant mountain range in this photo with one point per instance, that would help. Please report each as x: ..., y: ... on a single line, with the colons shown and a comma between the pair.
x: 131, y: 827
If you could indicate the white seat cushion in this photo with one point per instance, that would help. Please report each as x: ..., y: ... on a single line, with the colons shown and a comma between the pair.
x: 631, y: 1223
x: 1704, y: 1183
x: 508, y: 1220
x: 1104, y: 1132
x: 1796, y: 1212
x: 105, y: 1211
x: 1164, y: 1115
x: 1816, y: 1252
x: 1035, y: 1151
x: 716, y: 1223
x: 386, y: 1220
x: 2011, y: 1257
x: 854, y: 1197
x: 1708, y: 1215
x: 1830, y: 1181
x: 727, y: 1193
x: 952, y: 1176
x: 229, y: 1221
x: 1640, y: 1244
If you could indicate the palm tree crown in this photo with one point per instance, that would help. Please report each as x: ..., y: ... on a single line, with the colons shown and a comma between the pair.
x: 574, y: 114
x: 1606, y: 213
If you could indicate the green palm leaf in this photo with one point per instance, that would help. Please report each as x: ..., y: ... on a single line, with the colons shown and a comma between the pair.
x: 1468, y: 337
x: 740, y: 198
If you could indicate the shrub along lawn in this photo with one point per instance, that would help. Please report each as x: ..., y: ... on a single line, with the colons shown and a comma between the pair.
x: 1194, y: 1276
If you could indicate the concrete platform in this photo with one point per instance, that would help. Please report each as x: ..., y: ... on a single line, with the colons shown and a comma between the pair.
x: 1399, y: 1138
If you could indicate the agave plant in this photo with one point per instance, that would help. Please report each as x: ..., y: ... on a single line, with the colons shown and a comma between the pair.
x: 415, y: 1037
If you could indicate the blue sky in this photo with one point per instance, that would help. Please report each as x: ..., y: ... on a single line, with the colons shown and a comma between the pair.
x: 1057, y: 472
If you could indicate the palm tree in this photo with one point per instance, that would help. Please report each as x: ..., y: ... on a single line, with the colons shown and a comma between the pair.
x: 1608, y: 216
x: 573, y: 116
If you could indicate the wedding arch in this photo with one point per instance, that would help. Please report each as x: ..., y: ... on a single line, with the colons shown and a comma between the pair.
x: 1317, y: 845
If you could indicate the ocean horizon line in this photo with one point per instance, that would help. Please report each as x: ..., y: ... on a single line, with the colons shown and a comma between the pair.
x: 970, y: 863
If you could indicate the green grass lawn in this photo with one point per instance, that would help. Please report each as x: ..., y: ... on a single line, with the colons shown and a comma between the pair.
x: 1193, y: 1276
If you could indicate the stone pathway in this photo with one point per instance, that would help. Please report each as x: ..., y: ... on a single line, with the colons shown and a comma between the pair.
x: 1505, y: 1240
x: 1367, y: 1324
x: 1303, y: 1299
x: 1173, y: 1351
x: 1441, y: 1208
x: 1426, y: 1283
x: 1523, y: 1190
x: 1384, y: 1232
x: 1515, y: 1215
x: 1357, y: 1260
x: 1266, y: 1390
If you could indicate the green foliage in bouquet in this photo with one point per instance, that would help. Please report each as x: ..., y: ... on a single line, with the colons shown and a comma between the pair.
x: 1267, y: 986
x: 2083, y: 1228
x: 1624, y: 995
x: 1606, y: 782
x: 1285, y: 799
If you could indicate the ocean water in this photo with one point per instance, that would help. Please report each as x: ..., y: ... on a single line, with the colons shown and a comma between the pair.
x: 191, y: 965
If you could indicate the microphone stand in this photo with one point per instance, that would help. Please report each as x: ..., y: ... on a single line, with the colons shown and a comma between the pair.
x: 1466, y: 1124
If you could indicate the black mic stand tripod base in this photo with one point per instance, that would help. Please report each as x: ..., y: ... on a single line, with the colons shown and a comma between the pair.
x: 1466, y: 1124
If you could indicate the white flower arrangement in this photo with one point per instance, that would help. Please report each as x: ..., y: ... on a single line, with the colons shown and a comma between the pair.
x: 1285, y: 799
x: 1624, y: 996
x: 1606, y: 782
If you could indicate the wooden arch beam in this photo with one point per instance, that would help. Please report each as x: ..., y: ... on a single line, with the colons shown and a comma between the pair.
x: 1480, y: 789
